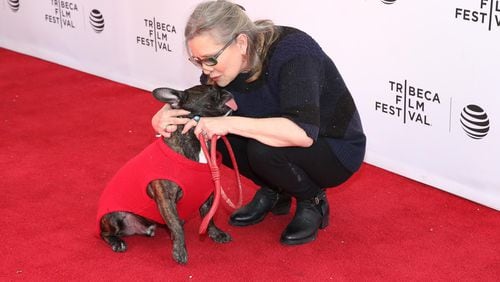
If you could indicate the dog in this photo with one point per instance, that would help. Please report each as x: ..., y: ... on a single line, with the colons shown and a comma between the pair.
x: 158, y: 191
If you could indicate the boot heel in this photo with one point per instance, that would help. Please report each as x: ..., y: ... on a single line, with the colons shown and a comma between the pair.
x: 325, y: 212
x: 324, y: 222
x: 282, y: 205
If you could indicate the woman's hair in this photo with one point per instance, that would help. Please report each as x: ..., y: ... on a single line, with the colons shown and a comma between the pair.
x: 224, y: 21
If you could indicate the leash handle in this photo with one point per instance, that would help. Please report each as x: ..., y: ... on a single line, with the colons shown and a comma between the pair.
x: 218, y: 190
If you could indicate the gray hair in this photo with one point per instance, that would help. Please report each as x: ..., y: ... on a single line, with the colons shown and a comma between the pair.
x: 225, y: 20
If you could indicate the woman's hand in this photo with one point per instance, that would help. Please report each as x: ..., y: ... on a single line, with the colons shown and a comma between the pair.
x: 165, y: 121
x: 208, y: 127
x: 276, y: 132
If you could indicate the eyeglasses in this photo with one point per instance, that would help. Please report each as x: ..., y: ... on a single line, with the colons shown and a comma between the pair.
x: 210, y: 61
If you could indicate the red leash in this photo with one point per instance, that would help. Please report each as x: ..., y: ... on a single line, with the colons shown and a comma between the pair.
x: 218, y: 190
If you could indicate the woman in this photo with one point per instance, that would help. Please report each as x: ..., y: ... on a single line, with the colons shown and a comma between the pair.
x: 296, y: 131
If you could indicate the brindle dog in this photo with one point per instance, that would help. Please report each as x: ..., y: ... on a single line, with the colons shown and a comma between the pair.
x: 201, y: 100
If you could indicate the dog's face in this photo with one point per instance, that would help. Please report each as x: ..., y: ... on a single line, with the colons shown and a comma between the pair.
x: 202, y: 100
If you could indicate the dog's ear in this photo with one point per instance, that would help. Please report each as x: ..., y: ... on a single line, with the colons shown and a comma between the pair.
x: 170, y: 96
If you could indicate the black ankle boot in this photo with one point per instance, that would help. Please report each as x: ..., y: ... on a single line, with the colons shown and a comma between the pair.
x: 264, y: 201
x: 311, y: 215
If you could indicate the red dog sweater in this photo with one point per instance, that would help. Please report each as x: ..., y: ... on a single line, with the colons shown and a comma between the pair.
x: 127, y: 189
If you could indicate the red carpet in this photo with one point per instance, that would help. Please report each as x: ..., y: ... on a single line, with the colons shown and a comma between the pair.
x: 64, y: 133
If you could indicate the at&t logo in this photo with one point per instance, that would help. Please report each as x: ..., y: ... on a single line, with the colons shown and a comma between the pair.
x: 388, y: 2
x: 96, y: 21
x: 475, y: 121
x: 14, y: 5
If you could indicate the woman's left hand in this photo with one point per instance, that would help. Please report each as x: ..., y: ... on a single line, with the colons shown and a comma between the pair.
x: 275, y: 131
x: 208, y: 127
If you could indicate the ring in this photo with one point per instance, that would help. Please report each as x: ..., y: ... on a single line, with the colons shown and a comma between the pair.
x: 196, y: 118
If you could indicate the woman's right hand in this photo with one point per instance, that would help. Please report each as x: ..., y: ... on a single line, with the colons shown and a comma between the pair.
x: 165, y: 121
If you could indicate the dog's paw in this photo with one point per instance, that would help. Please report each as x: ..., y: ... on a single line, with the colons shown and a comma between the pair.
x: 119, y: 247
x: 179, y: 254
x: 220, y: 236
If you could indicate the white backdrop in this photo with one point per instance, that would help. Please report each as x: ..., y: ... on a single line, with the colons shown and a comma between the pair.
x: 420, y: 71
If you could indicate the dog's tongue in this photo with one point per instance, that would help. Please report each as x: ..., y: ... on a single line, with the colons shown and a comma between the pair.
x: 232, y: 104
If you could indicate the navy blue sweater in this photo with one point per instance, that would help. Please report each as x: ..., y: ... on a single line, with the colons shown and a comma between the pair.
x: 300, y: 82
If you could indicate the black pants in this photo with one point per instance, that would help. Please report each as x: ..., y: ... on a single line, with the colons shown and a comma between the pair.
x: 300, y: 172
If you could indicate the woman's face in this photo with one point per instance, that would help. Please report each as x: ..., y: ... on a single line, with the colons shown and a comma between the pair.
x: 231, y: 62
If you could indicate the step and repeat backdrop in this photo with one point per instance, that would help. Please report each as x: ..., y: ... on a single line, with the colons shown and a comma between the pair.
x: 424, y: 74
